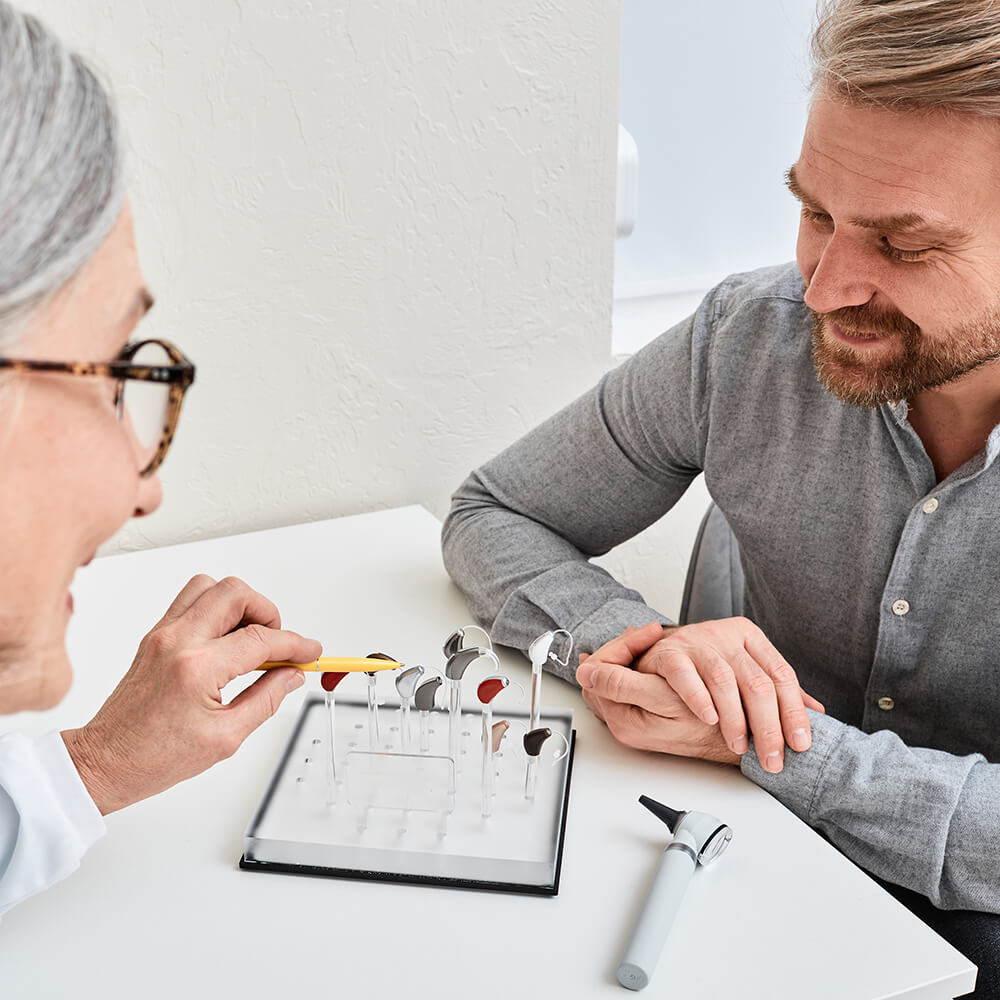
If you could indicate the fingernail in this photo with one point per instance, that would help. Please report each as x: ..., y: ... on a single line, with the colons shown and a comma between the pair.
x: 585, y: 673
x: 710, y: 716
x: 772, y: 762
x: 740, y: 744
x: 799, y: 740
x: 295, y: 680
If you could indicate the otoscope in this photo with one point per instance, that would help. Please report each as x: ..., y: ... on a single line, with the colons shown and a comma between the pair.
x: 699, y: 839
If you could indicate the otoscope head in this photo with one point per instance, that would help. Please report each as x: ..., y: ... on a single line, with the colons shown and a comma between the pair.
x: 660, y: 811
x: 706, y: 835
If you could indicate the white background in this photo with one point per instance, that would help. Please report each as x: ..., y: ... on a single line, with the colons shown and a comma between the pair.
x: 385, y: 233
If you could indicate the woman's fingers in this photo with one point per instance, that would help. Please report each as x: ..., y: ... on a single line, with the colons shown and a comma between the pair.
x: 247, y: 648
x: 166, y: 720
x: 227, y: 605
x: 192, y: 590
x: 257, y: 703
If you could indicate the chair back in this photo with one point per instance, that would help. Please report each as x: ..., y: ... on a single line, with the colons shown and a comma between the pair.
x: 714, y: 585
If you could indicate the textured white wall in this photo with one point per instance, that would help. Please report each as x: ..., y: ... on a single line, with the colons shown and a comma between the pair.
x: 383, y: 230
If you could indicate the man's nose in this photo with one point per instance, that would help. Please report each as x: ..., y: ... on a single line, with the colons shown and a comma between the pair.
x: 842, y: 277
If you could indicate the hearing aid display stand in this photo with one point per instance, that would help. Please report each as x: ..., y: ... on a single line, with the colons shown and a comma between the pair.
x: 412, y: 817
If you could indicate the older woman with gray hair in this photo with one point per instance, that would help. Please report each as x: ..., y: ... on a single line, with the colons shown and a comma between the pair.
x: 87, y: 412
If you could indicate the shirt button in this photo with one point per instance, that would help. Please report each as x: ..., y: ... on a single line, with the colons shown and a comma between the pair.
x: 900, y: 607
x: 930, y: 505
x: 886, y: 704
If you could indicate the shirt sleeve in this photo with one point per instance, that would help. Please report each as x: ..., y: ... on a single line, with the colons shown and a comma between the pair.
x: 923, y: 819
x: 523, y: 527
x: 47, y: 818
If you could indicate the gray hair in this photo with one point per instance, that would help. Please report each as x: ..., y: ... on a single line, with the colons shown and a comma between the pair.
x: 910, y: 54
x: 61, y: 178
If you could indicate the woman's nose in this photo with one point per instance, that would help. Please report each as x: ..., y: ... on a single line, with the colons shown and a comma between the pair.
x: 148, y: 496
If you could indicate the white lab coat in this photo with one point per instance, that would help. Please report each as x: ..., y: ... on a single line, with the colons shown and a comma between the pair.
x: 47, y: 817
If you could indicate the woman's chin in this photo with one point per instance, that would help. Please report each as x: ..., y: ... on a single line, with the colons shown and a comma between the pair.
x: 34, y: 688
x: 54, y: 688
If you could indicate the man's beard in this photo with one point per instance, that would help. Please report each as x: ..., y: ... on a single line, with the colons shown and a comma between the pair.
x: 913, y: 365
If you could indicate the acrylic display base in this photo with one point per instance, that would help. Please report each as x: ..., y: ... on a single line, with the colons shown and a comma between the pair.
x: 410, y: 817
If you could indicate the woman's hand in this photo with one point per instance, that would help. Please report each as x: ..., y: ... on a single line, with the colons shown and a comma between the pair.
x: 166, y: 720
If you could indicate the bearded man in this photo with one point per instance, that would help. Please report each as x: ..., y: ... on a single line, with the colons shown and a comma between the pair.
x: 846, y: 414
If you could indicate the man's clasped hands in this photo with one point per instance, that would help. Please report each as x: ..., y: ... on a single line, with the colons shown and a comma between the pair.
x: 701, y: 690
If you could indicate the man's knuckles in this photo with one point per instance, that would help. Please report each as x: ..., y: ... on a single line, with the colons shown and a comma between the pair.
x: 783, y: 676
x: 720, y: 676
x: 759, y: 685
x: 613, y: 683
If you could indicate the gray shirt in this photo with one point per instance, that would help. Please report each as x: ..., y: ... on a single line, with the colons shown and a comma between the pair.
x: 877, y: 583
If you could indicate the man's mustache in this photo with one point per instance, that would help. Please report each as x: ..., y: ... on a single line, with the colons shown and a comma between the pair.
x: 869, y: 321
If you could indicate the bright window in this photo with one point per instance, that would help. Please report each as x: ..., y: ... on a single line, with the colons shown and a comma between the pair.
x: 714, y: 94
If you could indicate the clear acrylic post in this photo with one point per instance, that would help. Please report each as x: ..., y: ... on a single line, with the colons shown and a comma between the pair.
x: 329, y: 682
x: 373, y: 734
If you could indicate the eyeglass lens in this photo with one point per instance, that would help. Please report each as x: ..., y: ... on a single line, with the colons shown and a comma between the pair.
x: 146, y: 403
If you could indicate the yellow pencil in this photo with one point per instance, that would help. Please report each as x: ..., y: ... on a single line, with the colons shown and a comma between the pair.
x: 337, y: 664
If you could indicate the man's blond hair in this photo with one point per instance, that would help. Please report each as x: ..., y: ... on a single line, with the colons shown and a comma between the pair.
x: 910, y: 54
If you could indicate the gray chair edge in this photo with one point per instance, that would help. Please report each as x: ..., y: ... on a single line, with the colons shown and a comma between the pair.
x: 713, y: 587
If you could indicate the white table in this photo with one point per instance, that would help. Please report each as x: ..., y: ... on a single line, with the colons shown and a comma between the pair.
x: 159, y: 908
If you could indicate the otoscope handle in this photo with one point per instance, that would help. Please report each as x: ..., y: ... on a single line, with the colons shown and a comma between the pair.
x: 677, y: 865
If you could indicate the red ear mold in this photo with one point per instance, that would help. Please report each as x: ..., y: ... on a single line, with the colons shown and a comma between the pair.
x: 489, y: 689
x: 330, y: 680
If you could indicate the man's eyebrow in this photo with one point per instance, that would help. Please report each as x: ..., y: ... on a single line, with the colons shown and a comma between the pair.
x: 792, y: 183
x: 906, y: 222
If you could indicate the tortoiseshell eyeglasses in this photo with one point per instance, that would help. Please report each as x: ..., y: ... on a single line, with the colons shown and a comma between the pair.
x: 157, y: 375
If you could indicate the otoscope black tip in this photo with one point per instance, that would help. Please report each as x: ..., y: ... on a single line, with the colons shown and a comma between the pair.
x: 660, y: 811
